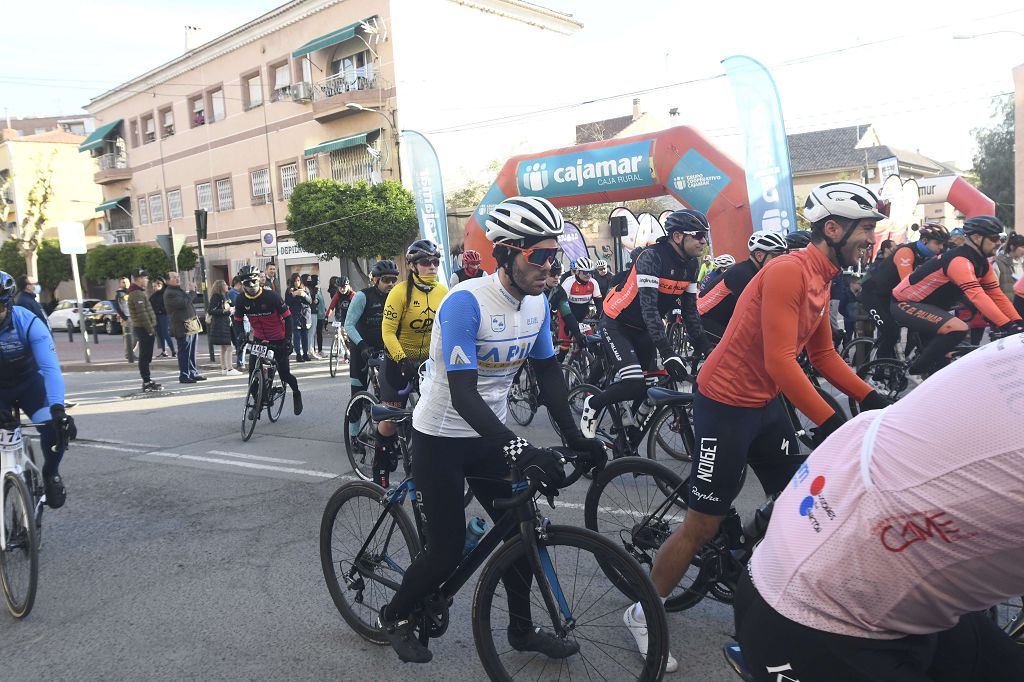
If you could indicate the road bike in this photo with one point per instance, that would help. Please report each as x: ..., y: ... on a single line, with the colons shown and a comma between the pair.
x: 339, y: 348
x: 524, y: 395
x: 266, y: 390
x: 367, y: 541
x: 360, y: 429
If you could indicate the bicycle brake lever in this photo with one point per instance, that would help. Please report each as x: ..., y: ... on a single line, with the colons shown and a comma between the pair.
x: 551, y: 501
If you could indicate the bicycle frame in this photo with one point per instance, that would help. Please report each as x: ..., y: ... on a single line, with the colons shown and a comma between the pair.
x: 14, y: 459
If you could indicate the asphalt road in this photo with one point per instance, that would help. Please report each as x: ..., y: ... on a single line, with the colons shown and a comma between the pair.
x: 184, y: 553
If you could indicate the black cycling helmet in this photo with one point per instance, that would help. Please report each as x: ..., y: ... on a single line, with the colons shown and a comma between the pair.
x: 423, y: 248
x: 556, y: 267
x: 985, y: 225
x: 934, y: 232
x: 249, y: 276
x: 384, y: 267
x: 687, y: 220
x: 7, y: 288
x: 798, y: 240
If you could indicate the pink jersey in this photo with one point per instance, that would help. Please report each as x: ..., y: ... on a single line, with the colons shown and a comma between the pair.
x: 1018, y: 287
x: 907, y: 518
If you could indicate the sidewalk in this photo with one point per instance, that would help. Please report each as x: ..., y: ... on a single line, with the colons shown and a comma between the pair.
x: 108, y: 355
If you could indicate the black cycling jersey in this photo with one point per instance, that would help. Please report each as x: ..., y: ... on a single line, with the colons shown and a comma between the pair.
x: 948, y: 294
x: 717, y: 299
x: 368, y: 324
x: 884, y: 278
x: 461, y: 274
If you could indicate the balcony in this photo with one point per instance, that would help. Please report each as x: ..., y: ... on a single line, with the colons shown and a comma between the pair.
x: 113, y: 168
x: 332, y: 94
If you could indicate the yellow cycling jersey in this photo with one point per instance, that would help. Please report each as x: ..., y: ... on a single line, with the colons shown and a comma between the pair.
x: 406, y: 328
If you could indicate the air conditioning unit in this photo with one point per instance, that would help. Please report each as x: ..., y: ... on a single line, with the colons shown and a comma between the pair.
x: 301, y: 92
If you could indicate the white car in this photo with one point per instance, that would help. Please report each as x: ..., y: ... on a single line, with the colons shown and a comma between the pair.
x: 66, y: 315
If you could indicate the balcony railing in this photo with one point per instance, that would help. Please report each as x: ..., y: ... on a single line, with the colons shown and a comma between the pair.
x: 112, y: 160
x: 342, y: 83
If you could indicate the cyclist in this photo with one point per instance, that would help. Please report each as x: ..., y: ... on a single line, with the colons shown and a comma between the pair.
x: 717, y: 300
x: 470, y: 268
x: 340, y: 302
x: 486, y: 329
x: 31, y: 380
x: 564, y: 324
x: 923, y: 299
x: 363, y: 322
x: 798, y: 239
x: 737, y: 417
x: 581, y: 288
x: 719, y: 266
x: 632, y: 327
x: 270, y: 321
x: 408, y: 319
x: 890, y: 542
x: 876, y: 294
x: 602, y: 276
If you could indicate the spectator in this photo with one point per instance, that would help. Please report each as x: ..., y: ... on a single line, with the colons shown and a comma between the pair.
x: 220, y: 325
x: 28, y: 291
x: 885, y: 250
x: 140, y: 312
x: 298, y: 301
x: 848, y: 302
x: 233, y: 292
x: 236, y: 288
x: 271, y: 277
x: 1018, y: 296
x: 163, y: 332
x: 121, y: 303
x: 317, y: 310
x: 1010, y: 264
x: 181, y: 313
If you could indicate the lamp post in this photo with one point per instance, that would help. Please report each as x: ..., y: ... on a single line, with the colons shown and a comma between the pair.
x: 352, y: 106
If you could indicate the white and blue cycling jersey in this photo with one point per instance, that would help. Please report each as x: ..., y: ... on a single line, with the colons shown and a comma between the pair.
x: 480, y: 326
x: 26, y: 349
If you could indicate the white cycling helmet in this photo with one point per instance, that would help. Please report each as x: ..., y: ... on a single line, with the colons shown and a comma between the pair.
x: 767, y: 241
x: 601, y: 263
x: 846, y: 200
x: 724, y: 261
x: 583, y: 265
x: 519, y: 218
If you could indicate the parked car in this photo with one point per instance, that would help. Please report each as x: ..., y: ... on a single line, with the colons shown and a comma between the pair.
x: 66, y: 315
x: 103, y: 317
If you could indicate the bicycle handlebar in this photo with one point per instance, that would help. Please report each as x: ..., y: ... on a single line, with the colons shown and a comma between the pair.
x: 534, y: 486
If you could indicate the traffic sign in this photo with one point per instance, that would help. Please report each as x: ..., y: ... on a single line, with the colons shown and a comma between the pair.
x: 71, y: 236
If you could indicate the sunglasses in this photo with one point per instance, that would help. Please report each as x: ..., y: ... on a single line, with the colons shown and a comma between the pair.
x: 389, y: 279
x: 699, y: 236
x: 429, y: 262
x: 537, y: 257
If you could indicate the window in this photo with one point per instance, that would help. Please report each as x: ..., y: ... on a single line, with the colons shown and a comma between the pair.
x: 174, y: 203
x: 351, y: 164
x: 143, y: 211
x: 197, y: 109
x: 312, y: 172
x: 253, y: 91
x: 135, y: 133
x: 260, y: 180
x: 289, y: 178
x: 167, y: 122
x: 225, y: 201
x: 216, y: 105
x: 148, y: 129
x: 204, y: 196
x: 156, y: 208
x: 282, y: 79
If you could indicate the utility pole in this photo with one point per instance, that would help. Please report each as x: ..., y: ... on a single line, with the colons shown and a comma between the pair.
x: 201, y: 218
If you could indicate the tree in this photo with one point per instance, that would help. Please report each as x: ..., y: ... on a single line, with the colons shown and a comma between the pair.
x: 466, y: 198
x: 34, y: 216
x: 352, y: 221
x: 110, y: 262
x: 55, y: 267
x: 993, y: 162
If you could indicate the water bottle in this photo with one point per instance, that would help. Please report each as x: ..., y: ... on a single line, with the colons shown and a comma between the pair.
x: 475, y: 530
x: 642, y: 411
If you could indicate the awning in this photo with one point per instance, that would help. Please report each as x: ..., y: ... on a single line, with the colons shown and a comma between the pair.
x: 110, y: 204
x: 95, y: 139
x: 333, y: 38
x: 341, y: 143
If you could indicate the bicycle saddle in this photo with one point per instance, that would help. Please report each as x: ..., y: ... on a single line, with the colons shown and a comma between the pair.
x: 380, y: 413
x: 664, y: 396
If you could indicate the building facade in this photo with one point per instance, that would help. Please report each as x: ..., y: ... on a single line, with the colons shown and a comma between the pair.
x: 305, y: 91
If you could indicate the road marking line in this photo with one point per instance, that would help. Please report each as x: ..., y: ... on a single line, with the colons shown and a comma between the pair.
x: 258, y: 458
x: 101, y: 446
x: 246, y: 465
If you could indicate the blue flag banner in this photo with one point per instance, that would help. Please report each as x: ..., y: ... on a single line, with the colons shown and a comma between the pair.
x: 769, y: 176
x: 422, y: 175
x: 572, y: 242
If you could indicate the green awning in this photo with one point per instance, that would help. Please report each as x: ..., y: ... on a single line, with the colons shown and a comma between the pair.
x: 341, y: 143
x: 111, y: 204
x: 333, y: 38
x: 95, y: 139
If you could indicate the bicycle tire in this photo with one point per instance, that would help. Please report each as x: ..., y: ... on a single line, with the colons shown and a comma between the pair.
x: 253, y: 405
x: 600, y: 623
x: 858, y: 351
x: 887, y: 376
x: 679, y: 420
x: 629, y: 524
x: 359, y: 615
x: 522, y: 398
x: 335, y: 353
x: 677, y: 338
x: 802, y: 425
x: 276, y: 406
x: 360, y: 447
x: 22, y: 546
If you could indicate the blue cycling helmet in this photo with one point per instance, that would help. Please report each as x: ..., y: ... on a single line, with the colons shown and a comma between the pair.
x: 7, y: 289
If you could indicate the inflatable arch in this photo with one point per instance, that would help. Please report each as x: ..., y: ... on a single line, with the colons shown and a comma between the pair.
x: 677, y: 161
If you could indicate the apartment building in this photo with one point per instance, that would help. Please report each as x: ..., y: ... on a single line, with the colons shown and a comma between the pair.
x: 308, y: 90
x: 36, y: 125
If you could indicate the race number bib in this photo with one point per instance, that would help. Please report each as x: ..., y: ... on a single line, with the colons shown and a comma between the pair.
x: 260, y: 351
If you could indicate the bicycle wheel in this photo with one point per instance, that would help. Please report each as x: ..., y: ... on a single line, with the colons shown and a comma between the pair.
x: 576, y: 398
x: 360, y: 584
x: 803, y: 425
x: 637, y: 504
x: 335, y: 353
x: 858, y: 351
x: 522, y: 398
x: 276, y: 402
x: 572, y: 377
x: 887, y: 376
x: 19, y: 557
x: 677, y: 338
x: 591, y: 613
x: 360, y: 434
x: 253, y: 405
x: 672, y: 433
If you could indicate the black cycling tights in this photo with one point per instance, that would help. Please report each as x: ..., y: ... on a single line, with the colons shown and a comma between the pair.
x: 630, y: 351
x: 440, y: 470
x: 284, y: 369
x: 928, y: 320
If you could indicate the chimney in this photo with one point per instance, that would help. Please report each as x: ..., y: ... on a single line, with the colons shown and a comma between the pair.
x: 636, y: 108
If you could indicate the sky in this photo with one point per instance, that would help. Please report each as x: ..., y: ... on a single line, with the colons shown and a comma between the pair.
x: 900, y: 68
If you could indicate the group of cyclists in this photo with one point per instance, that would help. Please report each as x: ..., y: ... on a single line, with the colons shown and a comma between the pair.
x: 919, y: 534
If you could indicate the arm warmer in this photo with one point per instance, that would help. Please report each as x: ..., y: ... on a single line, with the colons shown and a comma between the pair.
x: 355, y: 311
x: 555, y: 396
x: 467, y: 402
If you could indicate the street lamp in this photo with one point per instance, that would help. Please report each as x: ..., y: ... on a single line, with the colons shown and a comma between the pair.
x: 352, y: 106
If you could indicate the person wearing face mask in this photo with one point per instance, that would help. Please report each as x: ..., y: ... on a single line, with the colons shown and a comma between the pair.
x: 408, y: 318
x: 470, y: 268
x: 28, y: 294
x: 121, y: 301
